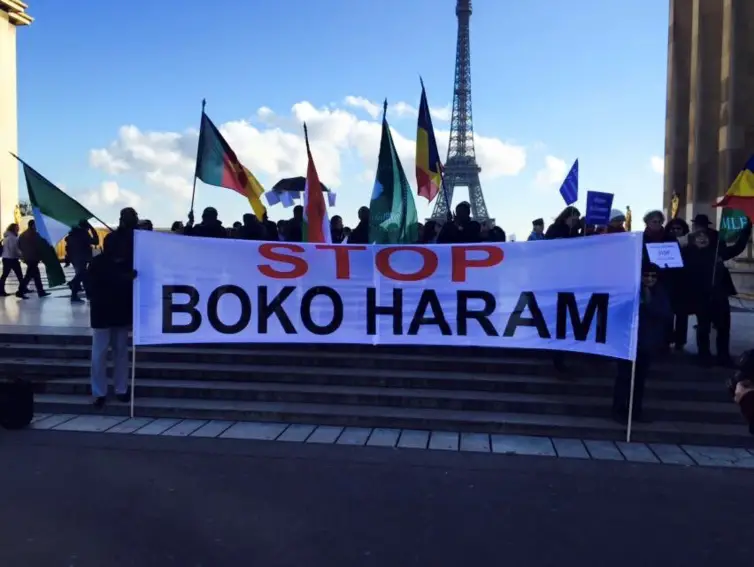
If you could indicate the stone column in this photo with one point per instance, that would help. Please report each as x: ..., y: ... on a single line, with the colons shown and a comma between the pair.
x: 12, y: 14
x: 706, y: 51
x: 677, y: 105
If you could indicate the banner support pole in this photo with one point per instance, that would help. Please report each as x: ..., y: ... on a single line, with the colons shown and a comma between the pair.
x: 133, y: 376
x: 631, y: 402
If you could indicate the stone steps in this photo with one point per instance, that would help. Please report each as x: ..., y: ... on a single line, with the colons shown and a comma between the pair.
x: 429, y: 388
x: 453, y: 400
x: 408, y: 418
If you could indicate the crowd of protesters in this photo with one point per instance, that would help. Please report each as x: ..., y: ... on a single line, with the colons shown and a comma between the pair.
x: 702, y: 287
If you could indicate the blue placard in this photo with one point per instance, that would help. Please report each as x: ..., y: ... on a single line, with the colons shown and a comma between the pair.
x: 598, y: 207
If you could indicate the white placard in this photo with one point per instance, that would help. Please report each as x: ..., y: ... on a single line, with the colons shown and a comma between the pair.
x: 514, y: 295
x: 665, y: 254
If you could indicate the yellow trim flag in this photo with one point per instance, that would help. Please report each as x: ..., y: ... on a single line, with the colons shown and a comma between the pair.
x: 741, y: 193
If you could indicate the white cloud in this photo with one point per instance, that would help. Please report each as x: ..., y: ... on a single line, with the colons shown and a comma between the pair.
x: 371, y: 108
x: 657, y: 164
x: 398, y: 109
x: 552, y: 173
x: 110, y: 194
x: 102, y: 159
x: 276, y: 148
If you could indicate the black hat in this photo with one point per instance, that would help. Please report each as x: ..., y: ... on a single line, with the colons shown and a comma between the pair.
x: 701, y: 220
x: 538, y: 222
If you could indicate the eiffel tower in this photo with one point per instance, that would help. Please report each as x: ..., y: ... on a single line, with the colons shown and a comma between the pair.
x: 461, y: 167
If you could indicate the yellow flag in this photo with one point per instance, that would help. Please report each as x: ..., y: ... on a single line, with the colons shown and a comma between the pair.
x: 255, y: 194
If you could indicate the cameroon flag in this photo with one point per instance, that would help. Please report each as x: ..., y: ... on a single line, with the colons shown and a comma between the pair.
x: 217, y: 164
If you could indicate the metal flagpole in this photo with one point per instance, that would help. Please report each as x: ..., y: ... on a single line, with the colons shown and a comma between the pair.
x: 631, y: 402
x: 198, y: 149
x: 133, y: 375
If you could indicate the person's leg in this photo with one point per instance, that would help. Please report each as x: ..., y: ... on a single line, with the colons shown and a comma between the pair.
x: 640, y: 377
x: 23, y: 286
x: 722, y: 325
x: 15, y: 265
x: 98, y: 376
x: 703, y: 328
x: 681, y: 331
x: 75, y: 284
x: 119, y: 343
x: 38, y: 281
x: 622, y: 389
x: 7, y: 267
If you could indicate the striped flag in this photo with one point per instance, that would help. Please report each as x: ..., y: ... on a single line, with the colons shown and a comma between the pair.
x: 316, y: 222
x: 570, y: 188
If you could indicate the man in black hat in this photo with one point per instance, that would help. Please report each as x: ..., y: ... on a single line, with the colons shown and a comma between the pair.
x: 700, y: 222
x: 538, y: 230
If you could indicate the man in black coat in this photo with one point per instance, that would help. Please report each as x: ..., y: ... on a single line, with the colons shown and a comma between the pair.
x: 109, y: 287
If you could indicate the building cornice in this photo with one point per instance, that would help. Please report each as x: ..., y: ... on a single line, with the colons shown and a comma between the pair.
x: 16, y: 11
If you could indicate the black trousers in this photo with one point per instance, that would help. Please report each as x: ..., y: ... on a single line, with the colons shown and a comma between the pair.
x: 680, y: 329
x: 11, y: 265
x: 716, y: 313
x: 32, y: 273
x: 622, y: 389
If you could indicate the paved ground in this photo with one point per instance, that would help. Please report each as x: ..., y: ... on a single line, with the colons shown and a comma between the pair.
x: 93, y: 500
x: 686, y: 455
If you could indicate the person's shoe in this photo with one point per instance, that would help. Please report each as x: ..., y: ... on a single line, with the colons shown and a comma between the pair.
x: 43, y: 294
x: 21, y: 295
x: 99, y: 403
x: 125, y: 398
x: 76, y: 299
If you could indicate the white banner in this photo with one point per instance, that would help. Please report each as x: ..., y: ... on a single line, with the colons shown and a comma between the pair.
x: 579, y: 294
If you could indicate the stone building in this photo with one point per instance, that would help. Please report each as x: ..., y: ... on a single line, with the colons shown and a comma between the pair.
x: 12, y: 15
x: 710, y: 119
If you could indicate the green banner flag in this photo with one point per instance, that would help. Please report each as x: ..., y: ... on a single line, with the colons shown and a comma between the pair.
x: 392, y: 213
x: 732, y: 223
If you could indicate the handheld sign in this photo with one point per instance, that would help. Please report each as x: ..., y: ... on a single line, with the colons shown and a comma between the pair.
x: 598, y: 207
x: 665, y: 254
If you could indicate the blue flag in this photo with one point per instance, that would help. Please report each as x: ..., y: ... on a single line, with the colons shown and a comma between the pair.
x: 570, y: 188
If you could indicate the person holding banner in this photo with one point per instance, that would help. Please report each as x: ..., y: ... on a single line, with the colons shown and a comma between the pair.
x: 710, y: 288
x: 566, y: 225
x: 109, y: 288
x: 655, y: 314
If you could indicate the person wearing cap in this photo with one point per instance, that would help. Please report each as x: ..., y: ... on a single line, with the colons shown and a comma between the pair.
x: 617, y: 222
x: 709, y: 286
x: 538, y: 230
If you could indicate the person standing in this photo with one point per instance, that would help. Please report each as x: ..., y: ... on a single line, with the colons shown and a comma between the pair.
x: 655, y: 313
x: 79, y: 244
x: 110, y: 291
x: 538, y: 230
x: 11, y: 258
x: 31, y: 244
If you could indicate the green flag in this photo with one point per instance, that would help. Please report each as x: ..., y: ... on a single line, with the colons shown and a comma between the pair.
x: 55, y: 214
x: 732, y: 222
x: 392, y: 212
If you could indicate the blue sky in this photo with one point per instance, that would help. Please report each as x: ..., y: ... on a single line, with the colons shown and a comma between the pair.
x: 110, y: 97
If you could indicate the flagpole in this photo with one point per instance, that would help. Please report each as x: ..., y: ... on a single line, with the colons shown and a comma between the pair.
x: 198, y: 149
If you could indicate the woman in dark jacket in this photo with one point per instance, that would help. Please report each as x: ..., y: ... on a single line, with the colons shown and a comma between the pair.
x: 566, y: 225
x: 710, y: 287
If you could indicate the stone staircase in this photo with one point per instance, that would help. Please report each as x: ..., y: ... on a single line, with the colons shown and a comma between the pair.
x: 471, y: 389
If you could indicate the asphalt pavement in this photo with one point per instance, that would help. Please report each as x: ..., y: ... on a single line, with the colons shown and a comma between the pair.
x: 95, y: 500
